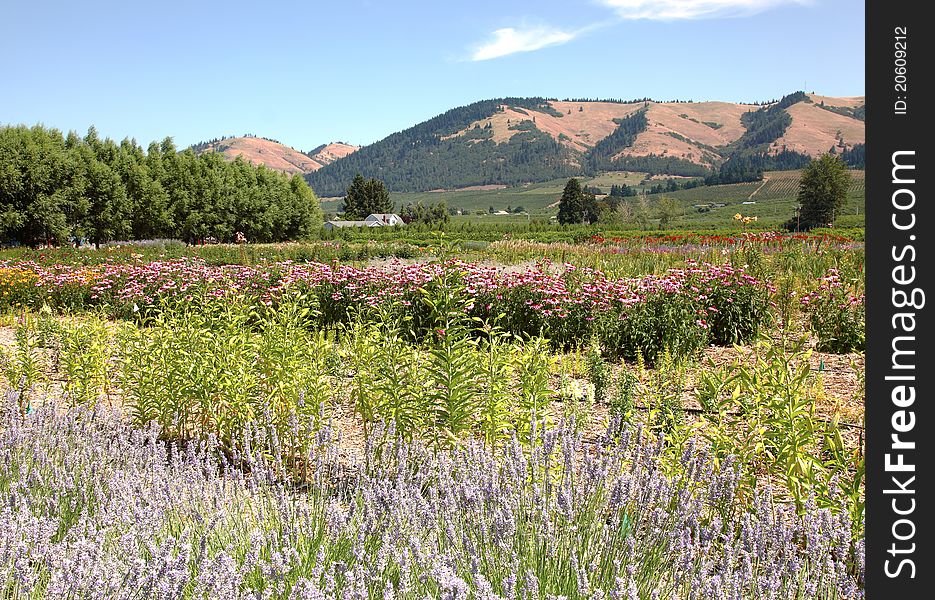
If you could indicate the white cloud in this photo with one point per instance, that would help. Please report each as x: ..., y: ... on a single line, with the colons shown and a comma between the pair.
x: 691, y: 9
x: 510, y: 40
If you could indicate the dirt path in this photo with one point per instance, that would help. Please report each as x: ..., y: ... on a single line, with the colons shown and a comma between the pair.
x: 754, y: 192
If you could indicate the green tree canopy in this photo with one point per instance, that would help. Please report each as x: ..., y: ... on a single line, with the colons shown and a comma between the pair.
x: 430, y: 214
x: 57, y: 189
x: 366, y: 197
x: 822, y: 192
x: 571, y: 204
x: 667, y: 209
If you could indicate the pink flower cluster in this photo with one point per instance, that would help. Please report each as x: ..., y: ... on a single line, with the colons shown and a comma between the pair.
x: 547, y: 290
x: 831, y: 289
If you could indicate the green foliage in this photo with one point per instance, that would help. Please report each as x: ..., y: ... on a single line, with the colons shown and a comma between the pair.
x: 854, y: 112
x: 855, y: 157
x: 667, y: 210
x: 599, y: 373
x: 822, y: 193
x: 365, y: 198
x: 571, y: 204
x: 836, y: 314
x: 431, y: 214
x: 221, y: 367
x: 749, y: 156
x: 57, y: 191
x: 451, y: 358
x: 760, y: 410
x: 84, y: 358
x: 663, y: 323
x: 661, y: 391
x: 577, y: 205
x: 497, y: 374
x: 24, y: 365
x: 622, y: 401
x: 532, y: 367
x: 601, y: 156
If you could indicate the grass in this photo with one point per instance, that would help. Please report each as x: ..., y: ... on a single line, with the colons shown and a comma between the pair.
x: 774, y: 200
x: 534, y: 197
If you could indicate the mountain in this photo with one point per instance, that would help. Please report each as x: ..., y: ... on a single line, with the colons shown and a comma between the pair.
x: 274, y: 155
x: 328, y: 153
x: 508, y: 141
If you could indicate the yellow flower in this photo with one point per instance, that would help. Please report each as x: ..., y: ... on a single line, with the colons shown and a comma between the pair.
x: 737, y: 217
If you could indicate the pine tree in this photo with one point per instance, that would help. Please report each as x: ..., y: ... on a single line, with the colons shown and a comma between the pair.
x: 571, y: 204
x: 354, y: 198
x: 591, y: 210
x: 366, y: 197
x: 376, y: 199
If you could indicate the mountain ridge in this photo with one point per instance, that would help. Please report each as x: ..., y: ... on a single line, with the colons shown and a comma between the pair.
x: 275, y: 155
x: 514, y: 140
x: 509, y: 141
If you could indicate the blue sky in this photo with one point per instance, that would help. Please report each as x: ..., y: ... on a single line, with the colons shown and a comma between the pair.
x: 307, y: 73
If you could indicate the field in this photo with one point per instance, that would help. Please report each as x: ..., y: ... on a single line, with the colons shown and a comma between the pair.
x: 774, y: 200
x: 567, y: 414
x: 535, y: 198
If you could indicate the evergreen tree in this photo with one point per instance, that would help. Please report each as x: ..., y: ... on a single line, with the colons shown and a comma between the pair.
x: 591, y: 209
x: 571, y: 205
x: 822, y: 192
x: 354, y: 198
x: 366, y: 197
x: 376, y: 199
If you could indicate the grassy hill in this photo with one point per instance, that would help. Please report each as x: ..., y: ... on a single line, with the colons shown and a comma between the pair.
x: 514, y: 141
x: 274, y: 155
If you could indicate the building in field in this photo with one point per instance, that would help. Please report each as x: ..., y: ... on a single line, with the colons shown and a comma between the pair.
x: 383, y: 220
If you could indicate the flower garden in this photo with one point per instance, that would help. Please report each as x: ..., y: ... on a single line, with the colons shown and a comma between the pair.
x: 614, y: 419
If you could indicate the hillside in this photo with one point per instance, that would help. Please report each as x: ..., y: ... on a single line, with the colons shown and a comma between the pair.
x: 276, y: 156
x: 511, y: 141
x: 328, y: 153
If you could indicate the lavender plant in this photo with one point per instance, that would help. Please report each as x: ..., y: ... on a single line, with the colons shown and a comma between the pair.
x: 96, y: 509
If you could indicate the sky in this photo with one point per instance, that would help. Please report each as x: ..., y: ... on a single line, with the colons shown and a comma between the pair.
x: 309, y: 73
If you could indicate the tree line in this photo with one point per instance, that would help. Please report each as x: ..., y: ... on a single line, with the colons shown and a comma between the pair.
x: 60, y: 189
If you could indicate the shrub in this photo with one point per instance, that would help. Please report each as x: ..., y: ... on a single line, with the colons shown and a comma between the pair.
x: 836, y: 314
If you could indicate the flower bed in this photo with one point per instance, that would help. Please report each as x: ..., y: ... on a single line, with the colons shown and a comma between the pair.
x: 681, y: 310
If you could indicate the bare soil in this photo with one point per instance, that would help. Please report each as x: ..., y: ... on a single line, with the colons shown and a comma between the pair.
x: 815, y: 130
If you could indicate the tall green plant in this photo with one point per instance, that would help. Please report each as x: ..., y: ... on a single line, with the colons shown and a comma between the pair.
x: 23, y: 365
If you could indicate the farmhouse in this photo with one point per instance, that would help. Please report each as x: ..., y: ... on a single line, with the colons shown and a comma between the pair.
x: 376, y: 220
x: 384, y: 220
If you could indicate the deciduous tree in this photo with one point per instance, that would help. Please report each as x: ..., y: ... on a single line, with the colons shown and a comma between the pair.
x: 822, y: 192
